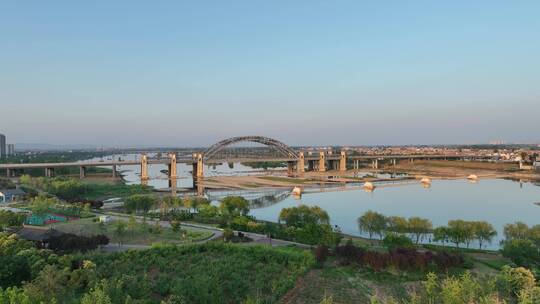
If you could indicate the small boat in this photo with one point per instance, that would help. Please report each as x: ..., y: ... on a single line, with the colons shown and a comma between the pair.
x: 425, y: 180
x: 297, y: 191
x: 368, y: 186
x: 472, y: 177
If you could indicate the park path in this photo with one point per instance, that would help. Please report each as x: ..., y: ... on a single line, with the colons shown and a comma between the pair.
x: 217, y: 233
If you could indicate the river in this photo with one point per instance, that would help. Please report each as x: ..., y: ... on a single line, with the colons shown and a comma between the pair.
x: 496, y: 201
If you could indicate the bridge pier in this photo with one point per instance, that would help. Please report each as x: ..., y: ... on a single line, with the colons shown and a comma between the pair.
x: 375, y: 164
x: 322, y: 162
x: 172, y: 166
x: 114, y: 171
x: 343, y: 161
x: 10, y: 173
x: 144, y: 168
x: 300, y: 165
x: 49, y: 172
x: 82, y: 172
x: 290, y: 168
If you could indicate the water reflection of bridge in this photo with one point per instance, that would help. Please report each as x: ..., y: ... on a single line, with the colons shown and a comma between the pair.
x: 257, y: 198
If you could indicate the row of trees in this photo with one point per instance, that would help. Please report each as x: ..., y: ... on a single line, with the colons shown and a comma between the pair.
x: 374, y: 223
x: 457, y: 231
x: 464, y: 232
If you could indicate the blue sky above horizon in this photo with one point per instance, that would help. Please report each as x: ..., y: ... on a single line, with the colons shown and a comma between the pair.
x: 188, y: 73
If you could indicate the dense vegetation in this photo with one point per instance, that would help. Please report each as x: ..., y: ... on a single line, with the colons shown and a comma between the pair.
x: 210, y: 273
x: 74, y: 190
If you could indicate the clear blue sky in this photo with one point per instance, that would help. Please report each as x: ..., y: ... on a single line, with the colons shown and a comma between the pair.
x: 184, y: 73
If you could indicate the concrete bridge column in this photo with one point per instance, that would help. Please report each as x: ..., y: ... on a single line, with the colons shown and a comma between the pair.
x: 322, y: 162
x: 343, y: 161
x: 394, y: 162
x: 300, y: 165
x: 49, y: 172
x: 172, y: 165
x: 290, y: 168
x: 375, y: 164
x: 9, y: 173
x: 144, y: 167
x: 200, y: 165
x: 114, y: 171
x: 82, y: 172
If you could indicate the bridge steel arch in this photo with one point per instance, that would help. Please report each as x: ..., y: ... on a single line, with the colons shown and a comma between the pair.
x: 282, y: 148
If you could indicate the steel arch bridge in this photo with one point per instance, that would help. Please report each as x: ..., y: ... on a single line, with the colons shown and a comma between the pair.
x: 280, y: 147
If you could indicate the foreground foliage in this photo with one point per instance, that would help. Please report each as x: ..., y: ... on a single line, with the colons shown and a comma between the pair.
x: 209, y: 273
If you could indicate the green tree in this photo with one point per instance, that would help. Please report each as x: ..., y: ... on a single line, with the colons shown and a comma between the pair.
x: 484, y: 232
x: 140, y: 203
x: 459, y: 231
x: 398, y: 224
x: 419, y: 228
x: 517, y: 230
x: 120, y: 230
x: 303, y: 215
x: 233, y: 206
x: 373, y: 223
x: 521, y: 252
x: 42, y: 204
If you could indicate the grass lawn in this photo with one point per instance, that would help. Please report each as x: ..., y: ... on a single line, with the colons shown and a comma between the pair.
x: 100, y: 190
x: 139, y: 235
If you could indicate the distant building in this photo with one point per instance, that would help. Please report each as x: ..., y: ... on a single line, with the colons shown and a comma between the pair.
x: 10, y: 195
x: 10, y: 149
x: 2, y: 145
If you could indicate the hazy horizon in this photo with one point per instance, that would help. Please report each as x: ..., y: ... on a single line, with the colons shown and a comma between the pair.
x: 303, y: 72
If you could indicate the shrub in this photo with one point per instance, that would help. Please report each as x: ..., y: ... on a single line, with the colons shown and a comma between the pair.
x: 394, y: 240
x: 321, y: 254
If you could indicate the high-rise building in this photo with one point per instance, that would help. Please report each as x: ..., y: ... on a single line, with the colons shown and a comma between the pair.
x: 10, y: 149
x: 2, y: 145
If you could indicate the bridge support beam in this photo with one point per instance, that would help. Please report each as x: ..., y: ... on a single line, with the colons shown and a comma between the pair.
x: 343, y: 161
x: 82, y: 172
x: 49, y: 172
x: 10, y: 173
x: 375, y: 164
x: 322, y: 162
x: 144, y: 168
x: 114, y: 173
x: 300, y: 165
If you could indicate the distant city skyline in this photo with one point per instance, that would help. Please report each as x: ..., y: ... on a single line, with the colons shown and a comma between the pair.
x: 304, y: 72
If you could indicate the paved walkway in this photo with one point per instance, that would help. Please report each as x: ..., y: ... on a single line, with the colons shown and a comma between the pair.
x: 218, y: 232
